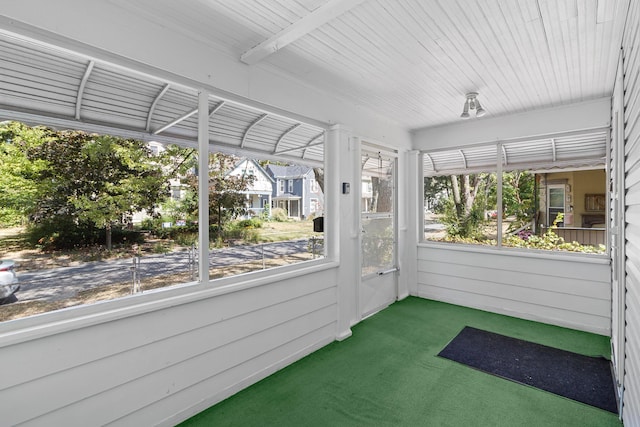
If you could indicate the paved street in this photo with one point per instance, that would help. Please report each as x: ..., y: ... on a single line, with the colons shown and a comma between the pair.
x: 65, y: 282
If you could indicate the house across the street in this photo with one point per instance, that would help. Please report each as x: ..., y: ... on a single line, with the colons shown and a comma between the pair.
x: 258, y: 195
x: 296, y: 190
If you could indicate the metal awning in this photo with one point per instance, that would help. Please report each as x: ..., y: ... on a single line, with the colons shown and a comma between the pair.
x: 572, y: 150
x: 47, y: 85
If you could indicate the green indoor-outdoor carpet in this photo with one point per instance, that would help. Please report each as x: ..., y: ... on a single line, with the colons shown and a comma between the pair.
x: 388, y: 374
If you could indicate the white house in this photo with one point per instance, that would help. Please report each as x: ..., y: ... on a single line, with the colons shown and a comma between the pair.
x: 363, y: 88
x: 259, y: 192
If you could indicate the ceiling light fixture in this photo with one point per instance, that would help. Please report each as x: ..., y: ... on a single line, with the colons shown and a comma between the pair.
x: 472, y: 103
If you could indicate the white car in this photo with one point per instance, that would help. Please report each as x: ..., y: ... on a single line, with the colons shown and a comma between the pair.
x: 8, y: 282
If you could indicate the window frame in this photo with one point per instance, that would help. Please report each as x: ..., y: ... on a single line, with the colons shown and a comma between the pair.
x: 76, y: 317
x: 498, y: 168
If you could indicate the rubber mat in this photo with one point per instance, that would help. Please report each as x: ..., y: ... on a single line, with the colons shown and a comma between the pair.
x: 582, y: 378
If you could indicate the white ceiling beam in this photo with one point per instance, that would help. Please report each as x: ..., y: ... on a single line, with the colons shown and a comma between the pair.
x: 325, y: 13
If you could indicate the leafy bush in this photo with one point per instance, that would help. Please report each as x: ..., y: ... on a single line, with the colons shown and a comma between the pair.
x: 181, y: 234
x: 549, y: 241
x: 468, y: 226
x: 10, y: 217
x: 247, y: 234
x: 186, y: 238
x: 279, y: 215
x: 248, y: 223
x: 63, y: 233
x: 266, y: 213
x: 161, y: 248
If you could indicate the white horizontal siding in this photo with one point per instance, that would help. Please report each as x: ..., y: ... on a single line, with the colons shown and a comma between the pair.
x: 164, y: 365
x: 631, y: 61
x: 565, y: 291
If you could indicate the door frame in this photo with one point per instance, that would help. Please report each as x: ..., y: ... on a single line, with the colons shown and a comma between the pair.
x: 375, y: 149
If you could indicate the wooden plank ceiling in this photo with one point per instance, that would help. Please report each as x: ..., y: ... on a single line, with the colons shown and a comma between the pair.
x: 413, y: 61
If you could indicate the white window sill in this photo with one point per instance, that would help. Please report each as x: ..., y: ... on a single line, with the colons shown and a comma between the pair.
x: 520, y: 252
x: 67, y: 319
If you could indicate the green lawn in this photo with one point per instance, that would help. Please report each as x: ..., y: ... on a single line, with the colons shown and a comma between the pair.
x: 277, y: 231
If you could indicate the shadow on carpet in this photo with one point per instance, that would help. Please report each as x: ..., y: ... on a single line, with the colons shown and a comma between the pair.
x: 574, y: 376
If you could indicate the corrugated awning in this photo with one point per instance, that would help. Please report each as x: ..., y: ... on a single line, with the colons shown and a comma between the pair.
x: 574, y: 150
x: 46, y: 85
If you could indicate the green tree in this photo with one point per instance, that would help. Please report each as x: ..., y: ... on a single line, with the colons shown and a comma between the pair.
x: 437, y: 189
x: 518, y: 196
x: 226, y: 192
x: 20, y: 188
x: 464, y: 211
x: 96, y: 179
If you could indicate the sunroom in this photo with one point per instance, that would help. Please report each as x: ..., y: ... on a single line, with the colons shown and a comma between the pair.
x: 371, y: 92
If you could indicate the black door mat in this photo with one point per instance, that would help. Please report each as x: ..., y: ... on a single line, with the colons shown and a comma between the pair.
x: 582, y: 378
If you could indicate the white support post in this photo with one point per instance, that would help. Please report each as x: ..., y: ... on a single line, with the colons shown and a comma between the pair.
x: 203, y: 186
x: 338, y: 223
x: 413, y: 230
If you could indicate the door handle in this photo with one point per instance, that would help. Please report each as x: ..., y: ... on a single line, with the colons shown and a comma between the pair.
x: 389, y: 271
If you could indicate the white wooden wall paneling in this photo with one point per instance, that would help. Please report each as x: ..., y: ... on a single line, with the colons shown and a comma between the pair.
x: 228, y: 382
x: 89, y: 379
x: 525, y: 280
x: 564, y: 291
x: 589, y: 269
x: 150, y: 389
x: 516, y: 307
x: 104, y: 340
x: 558, y: 299
x: 131, y: 363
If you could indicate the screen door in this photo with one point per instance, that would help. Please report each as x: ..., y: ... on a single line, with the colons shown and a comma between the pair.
x: 378, y: 285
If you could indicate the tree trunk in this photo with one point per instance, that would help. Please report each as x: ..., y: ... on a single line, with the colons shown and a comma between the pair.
x: 319, y: 175
x: 474, y: 186
x: 385, y: 196
x: 464, y: 197
x: 108, y: 236
x: 457, y: 199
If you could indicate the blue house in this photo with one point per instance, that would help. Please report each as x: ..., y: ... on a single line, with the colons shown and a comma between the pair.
x: 296, y: 191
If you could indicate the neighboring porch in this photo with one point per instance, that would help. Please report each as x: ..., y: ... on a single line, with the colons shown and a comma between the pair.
x: 388, y: 373
x: 581, y: 197
x: 291, y: 205
x: 257, y: 202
